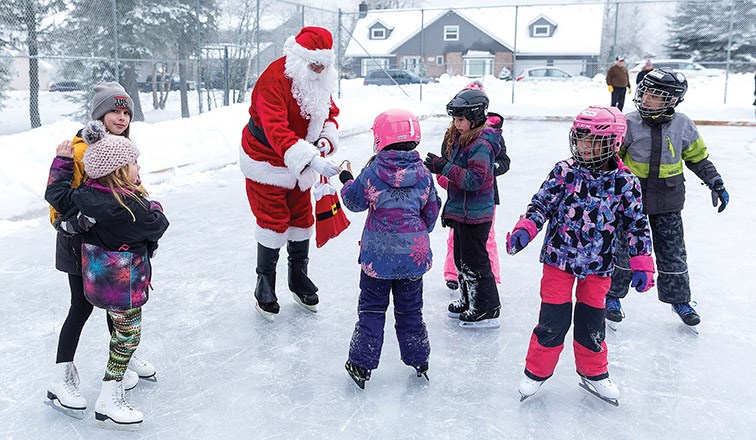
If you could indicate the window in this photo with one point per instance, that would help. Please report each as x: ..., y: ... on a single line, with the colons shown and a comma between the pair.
x: 369, y: 64
x: 541, y: 30
x: 411, y: 63
x: 378, y: 33
x: 478, y: 67
x: 451, y: 33
x: 440, y: 60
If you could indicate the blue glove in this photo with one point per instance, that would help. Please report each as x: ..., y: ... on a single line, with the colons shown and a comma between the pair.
x: 435, y: 163
x: 719, y: 194
x: 642, y: 280
x: 517, y: 240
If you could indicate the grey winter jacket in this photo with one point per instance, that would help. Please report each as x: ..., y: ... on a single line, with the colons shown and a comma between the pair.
x: 655, y: 150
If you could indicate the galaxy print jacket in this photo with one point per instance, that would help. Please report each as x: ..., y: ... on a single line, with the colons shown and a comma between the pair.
x: 398, y: 192
x: 116, y: 249
x: 585, y: 209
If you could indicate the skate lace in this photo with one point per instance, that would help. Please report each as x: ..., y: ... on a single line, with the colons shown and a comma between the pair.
x: 613, y: 304
x: 683, y: 309
x: 120, y: 400
x: 71, y: 382
x: 137, y: 362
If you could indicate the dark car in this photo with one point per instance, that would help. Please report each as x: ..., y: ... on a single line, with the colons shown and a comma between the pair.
x: 65, y: 86
x: 394, y: 76
x: 174, y: 83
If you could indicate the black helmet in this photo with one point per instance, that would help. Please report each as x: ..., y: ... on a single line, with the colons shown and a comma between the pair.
x: 470, y: 103
x: 667, y: 86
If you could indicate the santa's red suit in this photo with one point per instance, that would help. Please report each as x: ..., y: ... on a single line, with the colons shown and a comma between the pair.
x: 278, y: 179
x: 291, y: 108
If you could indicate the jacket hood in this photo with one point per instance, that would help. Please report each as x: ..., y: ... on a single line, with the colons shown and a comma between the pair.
x: 101, y: 204
x: 493, y: 137
x: 399, y: 169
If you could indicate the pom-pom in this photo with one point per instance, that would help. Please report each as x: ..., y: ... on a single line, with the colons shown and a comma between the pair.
x: 93, y: 132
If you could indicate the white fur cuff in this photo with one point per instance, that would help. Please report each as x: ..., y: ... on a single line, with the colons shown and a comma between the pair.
x: 299, y: 155
x: 269, y: 238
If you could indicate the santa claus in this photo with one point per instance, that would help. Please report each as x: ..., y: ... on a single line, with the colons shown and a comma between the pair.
x: 291, y: 122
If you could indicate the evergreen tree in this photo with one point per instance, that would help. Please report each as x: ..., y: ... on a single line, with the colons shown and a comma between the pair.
x: 27, y: 16
x: 701, y: 30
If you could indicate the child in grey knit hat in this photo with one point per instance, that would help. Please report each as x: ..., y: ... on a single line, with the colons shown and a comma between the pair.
x: 113, y: 109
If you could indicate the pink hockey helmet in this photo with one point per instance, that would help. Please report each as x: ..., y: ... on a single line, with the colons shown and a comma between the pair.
x: 395, y: 125
x: 597, y: 134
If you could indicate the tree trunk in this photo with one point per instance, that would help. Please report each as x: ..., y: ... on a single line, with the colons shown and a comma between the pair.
x: 132, y: 88
x: 183, y: 55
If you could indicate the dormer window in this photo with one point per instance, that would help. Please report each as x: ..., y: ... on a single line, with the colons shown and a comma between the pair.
x: 542, y: 30
x: 542, y: 27
x: 378, y: 33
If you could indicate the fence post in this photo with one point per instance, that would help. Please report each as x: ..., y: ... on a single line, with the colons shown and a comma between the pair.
x: 199, y: 56
x: 115, y: 42
x: 514, y: 54
x: 338, y: 52
x: 729, y: 49
x: 422, y: 49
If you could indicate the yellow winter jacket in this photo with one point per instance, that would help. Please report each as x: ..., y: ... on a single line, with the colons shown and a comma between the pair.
x: 79, y: 175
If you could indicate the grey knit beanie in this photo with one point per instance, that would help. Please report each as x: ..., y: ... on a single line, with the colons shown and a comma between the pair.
x: 106, y: 152
x: 109, y: 96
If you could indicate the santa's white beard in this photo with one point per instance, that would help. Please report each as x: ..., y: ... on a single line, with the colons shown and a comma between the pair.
x: 311, y: 90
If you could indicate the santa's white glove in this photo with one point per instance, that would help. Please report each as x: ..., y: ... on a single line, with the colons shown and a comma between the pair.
x: 324, y: 145
x: 324, y: 166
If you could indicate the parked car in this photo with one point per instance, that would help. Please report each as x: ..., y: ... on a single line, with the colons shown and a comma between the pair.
x: 548, y: 73
x: 394, y: 76
x: 65, y: 86
x: 173, y: 84
x: 687, y: 67
x: 505, y: 74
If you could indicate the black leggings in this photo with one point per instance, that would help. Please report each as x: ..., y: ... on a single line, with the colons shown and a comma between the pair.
x: 78, y: 314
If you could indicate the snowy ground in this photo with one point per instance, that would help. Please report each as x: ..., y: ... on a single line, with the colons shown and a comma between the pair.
x: 226, y: 373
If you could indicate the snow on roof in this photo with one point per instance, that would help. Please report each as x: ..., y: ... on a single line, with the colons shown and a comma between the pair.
x: 578, y: 30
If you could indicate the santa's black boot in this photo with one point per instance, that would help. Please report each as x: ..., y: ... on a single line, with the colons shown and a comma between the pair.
x: 265, y: 291
x: 305, y: 292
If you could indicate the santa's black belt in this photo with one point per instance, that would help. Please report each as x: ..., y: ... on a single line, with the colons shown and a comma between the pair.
x: 257, y: 132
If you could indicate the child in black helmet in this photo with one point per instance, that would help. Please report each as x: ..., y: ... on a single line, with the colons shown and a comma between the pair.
x: 658, y: 142
x: 468, y: 164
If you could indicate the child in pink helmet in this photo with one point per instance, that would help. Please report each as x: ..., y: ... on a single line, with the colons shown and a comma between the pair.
x: 399, y: 195
x: 585, y: 199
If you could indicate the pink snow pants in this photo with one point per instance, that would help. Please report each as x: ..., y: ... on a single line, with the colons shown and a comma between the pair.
x: 547, y: 340
x: 450, y: 269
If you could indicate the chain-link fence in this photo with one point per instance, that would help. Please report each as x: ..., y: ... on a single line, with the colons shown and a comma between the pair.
x: 183, y: 57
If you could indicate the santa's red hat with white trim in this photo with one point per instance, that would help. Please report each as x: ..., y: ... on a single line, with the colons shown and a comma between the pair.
x: 312, y: 43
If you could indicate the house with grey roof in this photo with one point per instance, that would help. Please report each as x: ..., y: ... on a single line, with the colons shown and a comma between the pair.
x: 477, y: 41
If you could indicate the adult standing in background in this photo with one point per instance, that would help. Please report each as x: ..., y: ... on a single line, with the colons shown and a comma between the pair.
x: 291, y: 127
x: 649, y: 66
x: 618, y: 82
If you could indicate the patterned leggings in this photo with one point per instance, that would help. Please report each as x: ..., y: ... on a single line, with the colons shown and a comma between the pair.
x: 123, y: 341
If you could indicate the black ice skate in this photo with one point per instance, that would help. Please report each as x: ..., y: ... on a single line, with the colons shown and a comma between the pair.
x: 474, y: 319
x: 308, y: 300
x: 422, y: 370
x: 614, y: 313
x: 688, y: 315
x: 358, y: 374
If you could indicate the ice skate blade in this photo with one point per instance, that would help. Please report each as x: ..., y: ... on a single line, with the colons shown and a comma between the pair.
x: 453, y: 315
x: 106, y: 422
x: 53, y: 402
x: 584, y: 386
x: 360, y: 382
x: 524, y: 397
x: 612, y: 325
x: 270, y: 317
x: 152, y: 378
x: 492, y: 323
x: 313, y: 309
x: 692, y: 328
